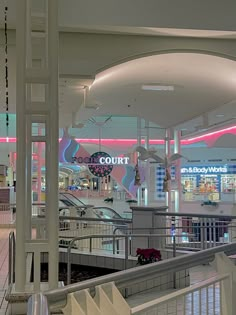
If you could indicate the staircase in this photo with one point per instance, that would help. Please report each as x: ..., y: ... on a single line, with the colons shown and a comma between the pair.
x: 107, y: 301
x: 211, y: 296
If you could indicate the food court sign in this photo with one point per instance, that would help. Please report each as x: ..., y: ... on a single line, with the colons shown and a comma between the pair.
x: 100, y: 163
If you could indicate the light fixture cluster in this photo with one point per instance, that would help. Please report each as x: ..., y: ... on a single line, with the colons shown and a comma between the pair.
x: 157, y: 87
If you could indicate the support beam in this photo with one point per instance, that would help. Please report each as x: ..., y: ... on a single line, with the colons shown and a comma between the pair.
x: 178, y: 191
x: 29, y: 116
x: 52, y: 144
x: 168, y: 154
x: 21, y: 145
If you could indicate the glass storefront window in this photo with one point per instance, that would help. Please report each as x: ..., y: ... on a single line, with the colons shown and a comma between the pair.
x: 208, y: 184
x: 188, y: 187
x: 228, y: 183
x: 188, y: 183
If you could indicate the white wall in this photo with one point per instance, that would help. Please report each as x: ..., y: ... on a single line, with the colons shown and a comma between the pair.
x: 5, y: 148
x: 209, y: 14
x: 204, y: 154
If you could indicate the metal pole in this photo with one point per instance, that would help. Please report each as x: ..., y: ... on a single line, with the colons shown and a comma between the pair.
x: 139, y: 143
x: 178, y: 191
x: 90, y: 244
x: 21, y: 144
x: 10, y: 259
x: 214, y: 232
x: 38, y: 305
x: 114, y: 244
x: 99, y: 149
x: 147, y: 164
x: 174, y: 246
x: 28, y: 217
x: 168, y: 153
x: 202, y: 233
x: 126, y: 251
x: 174, y: 255
x: 69, y: 264
x: 39, y: 181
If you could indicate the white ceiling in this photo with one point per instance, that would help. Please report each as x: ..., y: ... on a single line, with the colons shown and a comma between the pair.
x: 202, y: 84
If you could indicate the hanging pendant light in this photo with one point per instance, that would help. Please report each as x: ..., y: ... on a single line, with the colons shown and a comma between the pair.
x: 137, y: 180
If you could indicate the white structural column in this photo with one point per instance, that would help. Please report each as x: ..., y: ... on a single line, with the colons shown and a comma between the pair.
x: 167, y: 154
x: 178, y: 191
x: 37, y: 104
x: 52, y: 143
x: 147, y: 167
x: 21, y: 145
x: 28, y: 65
x: 139, y: 143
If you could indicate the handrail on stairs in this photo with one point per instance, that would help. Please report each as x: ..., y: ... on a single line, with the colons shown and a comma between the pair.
x: 57, y: 298
x: 37, y: 305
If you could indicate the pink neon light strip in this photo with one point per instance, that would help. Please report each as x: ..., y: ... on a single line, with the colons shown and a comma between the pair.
x: 129, y: 142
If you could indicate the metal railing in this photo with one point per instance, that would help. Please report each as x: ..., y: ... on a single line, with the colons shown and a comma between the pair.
x: 194, y: 233
x: 7, y: 214
x: 205, y: 230
x: 57, y: 298
x: 201, y: 298
x: 73, y: 226
x: 113, y: 236
x: 11, y: 258
x: 37, y: 305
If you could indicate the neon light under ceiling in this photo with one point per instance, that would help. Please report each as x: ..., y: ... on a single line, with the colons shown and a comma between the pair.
x: 207, y: 137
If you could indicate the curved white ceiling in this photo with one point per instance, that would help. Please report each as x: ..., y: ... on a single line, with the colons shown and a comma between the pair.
x: 202, y: 83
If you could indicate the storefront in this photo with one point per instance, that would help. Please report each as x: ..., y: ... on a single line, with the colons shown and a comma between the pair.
x: 209, y: 182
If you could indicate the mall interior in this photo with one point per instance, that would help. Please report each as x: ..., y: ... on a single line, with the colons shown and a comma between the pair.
x: 117, y: 157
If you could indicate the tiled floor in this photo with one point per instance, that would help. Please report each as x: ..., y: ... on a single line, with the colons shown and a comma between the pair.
x: 197, y: 274
x: 4, y: 233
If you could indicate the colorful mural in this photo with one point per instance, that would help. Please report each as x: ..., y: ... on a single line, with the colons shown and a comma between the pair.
x: 124, y: 175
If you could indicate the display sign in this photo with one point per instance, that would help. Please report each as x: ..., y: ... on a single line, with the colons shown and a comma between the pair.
x: 101, y: 164
x: 223, y: 169
x: 103, y: 160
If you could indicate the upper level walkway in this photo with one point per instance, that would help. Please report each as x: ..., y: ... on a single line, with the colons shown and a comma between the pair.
x: 196, y: 233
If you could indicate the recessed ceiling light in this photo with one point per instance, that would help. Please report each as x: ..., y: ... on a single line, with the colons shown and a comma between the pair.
x: 158, y: 87
x: 77, y: 87
x: 220, y: 115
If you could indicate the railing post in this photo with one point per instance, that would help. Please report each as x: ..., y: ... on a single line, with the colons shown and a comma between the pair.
x: 210, y: 232
x: 174, y: 255
x: 90, y: 244
x: 126, y: 250
x: 202, y: 234
x: 38, y: 304
x: 114, y: 244
x: 228, y: 286
x: 214, y: 232
x: 174, y: 246
x: 69, y: 264
x: 148, y: 246
x: 10, y: 260
x: 226, y: 298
